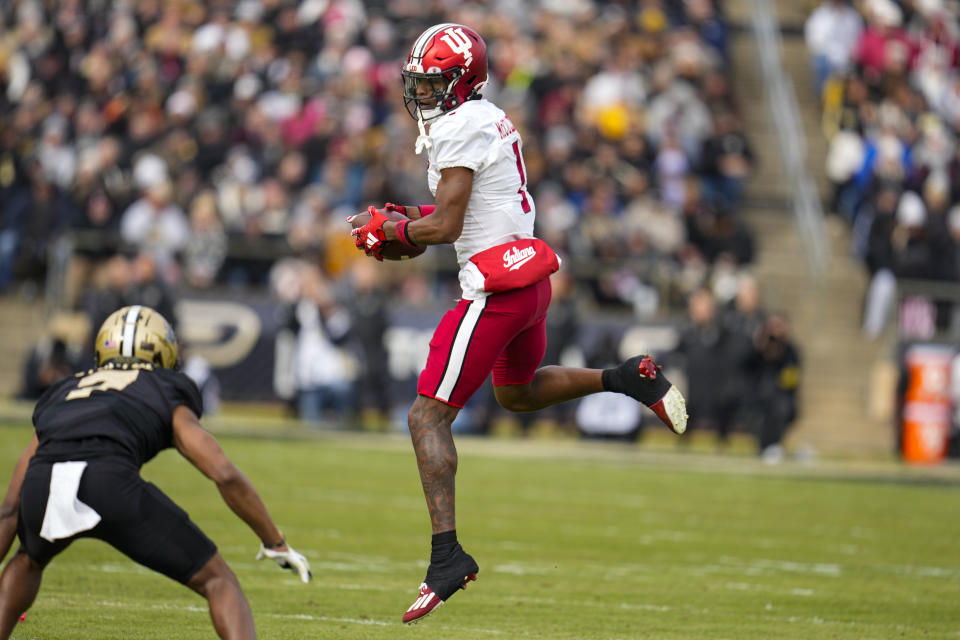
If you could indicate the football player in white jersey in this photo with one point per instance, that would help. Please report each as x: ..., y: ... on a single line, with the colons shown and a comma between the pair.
x: 476, y: 173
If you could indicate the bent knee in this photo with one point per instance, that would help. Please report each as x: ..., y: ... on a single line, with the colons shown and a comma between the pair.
x: 430, y: 412
x: 21, y: 557
x: 215, y: 574
x: 514, y: 397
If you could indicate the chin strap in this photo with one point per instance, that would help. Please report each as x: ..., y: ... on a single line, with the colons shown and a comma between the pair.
x: 423, y: 140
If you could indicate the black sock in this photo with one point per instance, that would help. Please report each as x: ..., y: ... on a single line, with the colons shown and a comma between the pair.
x: 626, y: 378
x: 442, y: 545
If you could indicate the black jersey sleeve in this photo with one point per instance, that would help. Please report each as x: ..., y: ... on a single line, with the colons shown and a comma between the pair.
x: 53, y: 394
x: 182, y: 390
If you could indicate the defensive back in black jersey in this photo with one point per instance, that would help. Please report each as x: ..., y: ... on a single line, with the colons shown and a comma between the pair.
x: 123, y: 409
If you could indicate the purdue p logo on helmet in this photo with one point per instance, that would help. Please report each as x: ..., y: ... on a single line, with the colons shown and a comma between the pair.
x: 137, y: 333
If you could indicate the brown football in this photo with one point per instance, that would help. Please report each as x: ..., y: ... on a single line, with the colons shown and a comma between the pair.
x: 392, y: 250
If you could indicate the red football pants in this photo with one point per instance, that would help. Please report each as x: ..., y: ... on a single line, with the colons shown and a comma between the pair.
x: 504, y: 333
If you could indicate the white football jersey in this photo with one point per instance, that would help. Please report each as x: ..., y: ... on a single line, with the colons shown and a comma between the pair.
x: 478, y: 135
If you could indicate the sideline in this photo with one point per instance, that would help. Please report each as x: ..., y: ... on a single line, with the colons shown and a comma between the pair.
x: 658, y: 449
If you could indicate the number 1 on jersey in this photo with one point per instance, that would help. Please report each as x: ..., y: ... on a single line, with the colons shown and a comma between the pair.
x: 524, y: 202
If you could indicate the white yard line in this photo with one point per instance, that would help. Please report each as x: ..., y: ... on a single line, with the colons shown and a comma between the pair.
x: 770, y: 613
x: 135, y: 605
x: 767, y: 614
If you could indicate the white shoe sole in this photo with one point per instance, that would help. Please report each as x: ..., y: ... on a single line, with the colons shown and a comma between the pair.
x: 675, y: 407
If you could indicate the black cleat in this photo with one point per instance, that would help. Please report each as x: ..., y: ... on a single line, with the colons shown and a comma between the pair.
x: 641, y: 379
x: 442, y: 581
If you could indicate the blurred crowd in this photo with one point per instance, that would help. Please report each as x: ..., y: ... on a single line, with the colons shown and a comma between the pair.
x: 743, y: 367
x: 185, y: 145
x: 889, y: 77
x: 738, y: 363
x: 216, y: 137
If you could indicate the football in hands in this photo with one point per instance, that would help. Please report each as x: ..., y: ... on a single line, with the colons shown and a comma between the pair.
x: 394, y: 249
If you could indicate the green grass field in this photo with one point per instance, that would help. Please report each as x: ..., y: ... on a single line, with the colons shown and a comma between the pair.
x: 574, y: 542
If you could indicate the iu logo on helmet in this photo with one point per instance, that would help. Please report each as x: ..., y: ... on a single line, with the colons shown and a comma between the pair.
x: 458, y: 42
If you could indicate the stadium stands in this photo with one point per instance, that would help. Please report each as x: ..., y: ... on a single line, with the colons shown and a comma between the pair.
x: 890, y: 114
x: 219, y: 137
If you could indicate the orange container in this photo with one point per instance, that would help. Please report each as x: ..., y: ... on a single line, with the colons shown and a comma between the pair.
x: 925, y: 428
x: 928, y: 368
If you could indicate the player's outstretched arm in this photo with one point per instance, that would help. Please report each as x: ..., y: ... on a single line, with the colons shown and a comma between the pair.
x: 9, y: 509
x: 198, y: 446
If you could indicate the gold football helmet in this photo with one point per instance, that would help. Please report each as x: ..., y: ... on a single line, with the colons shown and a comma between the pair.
x: 137, y: 333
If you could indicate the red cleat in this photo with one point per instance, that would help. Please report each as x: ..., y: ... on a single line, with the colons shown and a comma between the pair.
x: 427, y: 601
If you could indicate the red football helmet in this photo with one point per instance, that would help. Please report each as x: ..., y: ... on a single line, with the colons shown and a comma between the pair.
x: 451, y: 61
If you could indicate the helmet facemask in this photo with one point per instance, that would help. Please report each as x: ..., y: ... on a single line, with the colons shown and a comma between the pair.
x: 440, y: 100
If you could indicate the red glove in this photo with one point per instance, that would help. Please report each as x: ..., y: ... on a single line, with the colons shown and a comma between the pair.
x: 399, y: 208
x: 370, y: 237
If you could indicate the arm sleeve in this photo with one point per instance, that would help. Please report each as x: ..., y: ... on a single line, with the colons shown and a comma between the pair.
x: 182, y: 390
